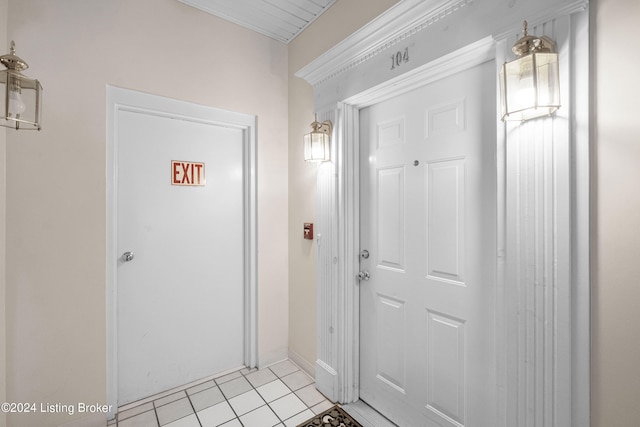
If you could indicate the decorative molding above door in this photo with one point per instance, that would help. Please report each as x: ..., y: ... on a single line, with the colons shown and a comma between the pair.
x: 380, y: 36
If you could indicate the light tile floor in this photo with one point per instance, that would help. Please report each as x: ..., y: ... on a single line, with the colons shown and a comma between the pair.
x: 280, y: 395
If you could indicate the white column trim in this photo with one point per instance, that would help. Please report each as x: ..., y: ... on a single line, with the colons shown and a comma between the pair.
x: 349, y: 249
x: 580, y: 215
x: 502, y: 360
x: 326, y: 274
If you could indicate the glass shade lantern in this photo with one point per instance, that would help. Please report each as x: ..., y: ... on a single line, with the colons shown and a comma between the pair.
x: 21, y: 104
x: 317, y: 147
x: 529, y: 85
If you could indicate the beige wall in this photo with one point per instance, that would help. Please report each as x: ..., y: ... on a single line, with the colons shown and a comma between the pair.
x: 341, y: 20
x: 56, y: 224
x: 3, y: 133
x: 616, y: 249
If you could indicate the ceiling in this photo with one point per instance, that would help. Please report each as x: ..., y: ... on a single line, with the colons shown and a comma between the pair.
x: 282, y: 20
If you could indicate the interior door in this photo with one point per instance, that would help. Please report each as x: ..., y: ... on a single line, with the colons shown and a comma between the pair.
x: 180, y: 233
x: 428, y: 221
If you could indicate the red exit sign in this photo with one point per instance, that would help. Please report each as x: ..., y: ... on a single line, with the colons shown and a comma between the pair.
x: 187, y: 173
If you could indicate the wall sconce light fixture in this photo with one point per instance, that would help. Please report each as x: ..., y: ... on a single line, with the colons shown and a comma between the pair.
x: 21, y: 97
x: 317, y: 147
x: 529, y: 85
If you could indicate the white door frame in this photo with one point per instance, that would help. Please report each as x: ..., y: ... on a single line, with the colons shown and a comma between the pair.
x: 543, y: 324
x: 127, y: 100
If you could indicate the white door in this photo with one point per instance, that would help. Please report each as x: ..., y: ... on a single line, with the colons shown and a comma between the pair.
x: 180, y: 215
x: 428, y: 220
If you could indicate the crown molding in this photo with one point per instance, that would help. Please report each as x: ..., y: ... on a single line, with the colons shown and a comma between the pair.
x: 400, y: 22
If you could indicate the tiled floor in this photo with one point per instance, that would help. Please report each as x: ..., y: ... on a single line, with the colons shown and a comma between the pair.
x: 281, y: 395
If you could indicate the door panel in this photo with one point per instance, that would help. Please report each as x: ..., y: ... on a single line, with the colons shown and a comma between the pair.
x: 391, y: 218
x: 391, y: 345
x: 428, y: 197
x: 445, y: 218
x: 180, y: 299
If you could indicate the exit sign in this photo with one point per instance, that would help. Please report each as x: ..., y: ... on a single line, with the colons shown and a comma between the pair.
x: 187, y: 173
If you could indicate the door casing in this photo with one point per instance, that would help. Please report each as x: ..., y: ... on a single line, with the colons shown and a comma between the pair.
x: 119, y: 99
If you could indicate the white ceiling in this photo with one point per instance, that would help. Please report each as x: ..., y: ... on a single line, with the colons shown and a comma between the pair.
x: 282, y: 20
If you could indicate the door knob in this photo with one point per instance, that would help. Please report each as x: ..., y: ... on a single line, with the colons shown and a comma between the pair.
x: 127, y: 256
x: 363, y: 275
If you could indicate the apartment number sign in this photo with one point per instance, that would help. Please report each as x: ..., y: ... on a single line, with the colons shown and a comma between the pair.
x: 187, y: 173
x: 399, y: 58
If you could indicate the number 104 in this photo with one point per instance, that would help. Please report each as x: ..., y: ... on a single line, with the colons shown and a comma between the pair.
x: 399, y: 58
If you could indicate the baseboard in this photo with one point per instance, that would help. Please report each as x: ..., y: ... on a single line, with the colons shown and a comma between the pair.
x: 272, y: 358
x: 302, y: 363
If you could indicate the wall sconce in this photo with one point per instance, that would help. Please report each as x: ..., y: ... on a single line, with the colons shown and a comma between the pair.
x: 529, y: 85
x: 21, y: 105
x: 317, y: 146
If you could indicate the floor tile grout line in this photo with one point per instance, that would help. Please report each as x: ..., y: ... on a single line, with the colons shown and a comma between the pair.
x: 193, y: 408
x: 155, y: 411
x: 263, y: 399
x: 307, y: 407
x: 185, y: 416
x: 292, y: 392
x: 229, y: 403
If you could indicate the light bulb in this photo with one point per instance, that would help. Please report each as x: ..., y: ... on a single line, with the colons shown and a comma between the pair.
x: 16, y: 104
x: 525, y: 95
